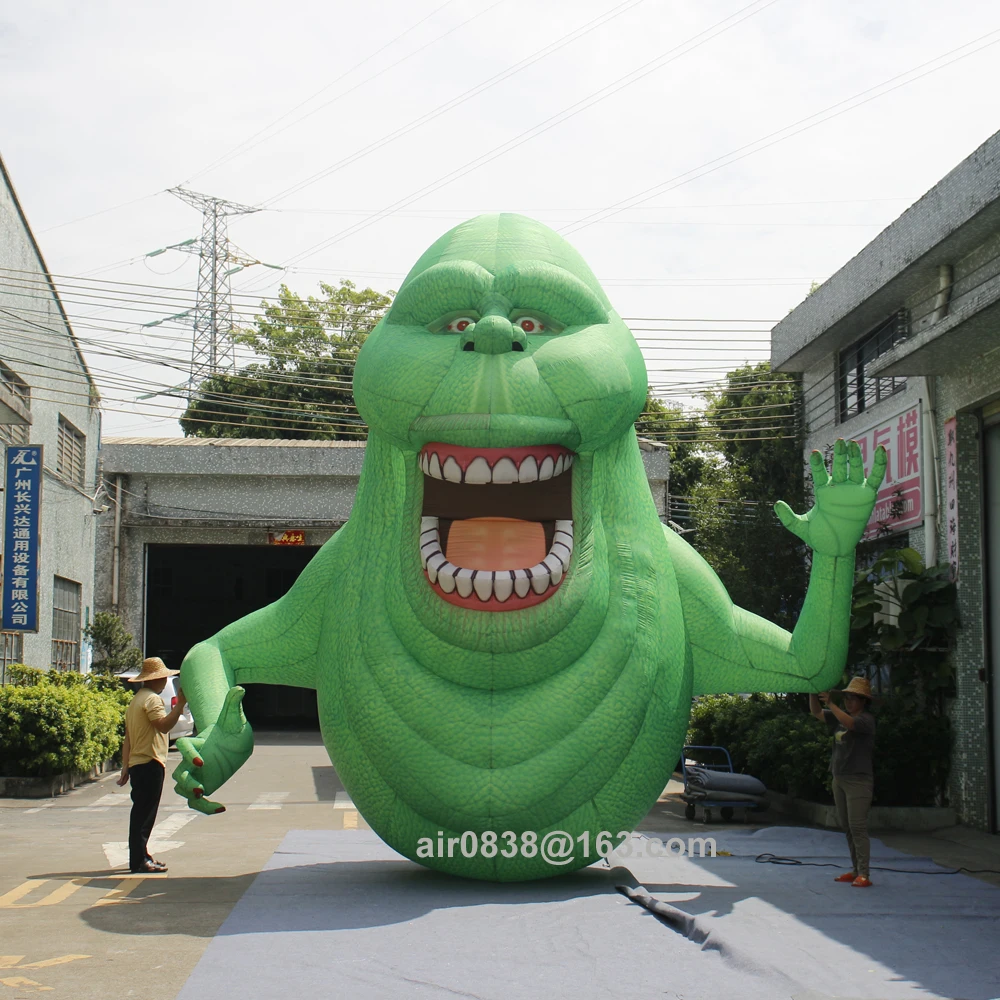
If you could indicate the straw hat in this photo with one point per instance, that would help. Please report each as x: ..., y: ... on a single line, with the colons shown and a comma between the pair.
x: 859, y: 685
x: 153, y: 669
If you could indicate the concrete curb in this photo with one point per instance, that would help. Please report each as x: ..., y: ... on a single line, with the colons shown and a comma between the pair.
x: 52, y: 785
x: 907, y: 819
x: 917, y: 819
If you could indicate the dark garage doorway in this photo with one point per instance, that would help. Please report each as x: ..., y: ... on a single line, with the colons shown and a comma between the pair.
x: 192, y: 591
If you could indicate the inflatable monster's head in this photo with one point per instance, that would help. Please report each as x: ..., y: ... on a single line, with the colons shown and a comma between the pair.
x: 500, y: 361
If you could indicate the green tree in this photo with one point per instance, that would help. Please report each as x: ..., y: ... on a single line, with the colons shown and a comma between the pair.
x: 114, y: 650
x: 756, y: 427
x: 684, y: 433
x: 302, y: 387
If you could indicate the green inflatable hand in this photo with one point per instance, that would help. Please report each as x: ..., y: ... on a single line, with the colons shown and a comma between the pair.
x: 210, y: 759
x: 843, y: 501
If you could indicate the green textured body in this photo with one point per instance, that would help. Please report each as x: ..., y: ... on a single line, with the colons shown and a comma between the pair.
x: 568, y: 715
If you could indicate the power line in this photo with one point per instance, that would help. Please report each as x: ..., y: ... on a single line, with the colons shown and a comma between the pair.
x: 672, y: 54
x: 653, y: 364
x: 298, y: 381
x: 819, y: 117
x: 259, y: 137
x: 465, y: 213
x: 103, y: 211
x: 257, y: 402
x: 467, y: 95
x: 144, y: 288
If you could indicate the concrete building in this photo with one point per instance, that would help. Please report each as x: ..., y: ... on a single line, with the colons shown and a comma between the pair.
x: 203, y: 531
x: 47, y: 398
x: 901, y: 347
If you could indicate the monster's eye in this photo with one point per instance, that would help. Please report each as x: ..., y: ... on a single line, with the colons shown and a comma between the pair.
x: 535, y: 323
x: 459, y: 324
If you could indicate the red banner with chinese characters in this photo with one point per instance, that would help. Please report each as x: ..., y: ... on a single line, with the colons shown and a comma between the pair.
x: 899, y: 505
x: 951, y: 493
x: 287, y: 538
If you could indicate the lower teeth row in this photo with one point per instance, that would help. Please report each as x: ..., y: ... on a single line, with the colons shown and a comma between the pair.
x: 500, y: 583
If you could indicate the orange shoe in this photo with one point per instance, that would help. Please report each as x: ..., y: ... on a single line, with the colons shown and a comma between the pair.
x: 862, y: 882
x: 846, y: 877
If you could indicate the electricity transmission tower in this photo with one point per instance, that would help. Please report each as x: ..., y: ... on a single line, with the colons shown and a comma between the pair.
x: 212, y: 350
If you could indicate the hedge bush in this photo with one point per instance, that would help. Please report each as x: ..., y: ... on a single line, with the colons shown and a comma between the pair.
x: 54, y: 726
x: 21, y: 675
x: 791, y: 754
x: 912, y: 757
x: 730, y: 721
x: 790, y: 751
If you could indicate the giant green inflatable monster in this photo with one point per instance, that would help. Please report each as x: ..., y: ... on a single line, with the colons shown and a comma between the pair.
x: 504, y: 638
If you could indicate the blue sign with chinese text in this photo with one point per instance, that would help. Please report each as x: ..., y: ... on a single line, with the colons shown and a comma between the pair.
x: 22, y: 512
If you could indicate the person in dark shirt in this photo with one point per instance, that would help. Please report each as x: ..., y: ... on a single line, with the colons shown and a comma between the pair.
x: 853, y: 729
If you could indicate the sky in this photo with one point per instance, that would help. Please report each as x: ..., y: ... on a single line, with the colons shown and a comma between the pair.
x: 709, y: 160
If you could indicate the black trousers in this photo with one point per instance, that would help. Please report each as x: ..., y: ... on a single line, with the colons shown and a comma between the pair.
x: 147, y: 784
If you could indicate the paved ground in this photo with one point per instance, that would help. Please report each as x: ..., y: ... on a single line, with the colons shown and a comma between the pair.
x: 70, y: 926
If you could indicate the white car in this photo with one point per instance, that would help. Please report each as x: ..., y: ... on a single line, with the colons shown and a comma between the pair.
x: 185, y: 724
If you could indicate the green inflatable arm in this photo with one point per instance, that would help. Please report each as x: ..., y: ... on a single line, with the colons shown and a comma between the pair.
x: 735, y: 651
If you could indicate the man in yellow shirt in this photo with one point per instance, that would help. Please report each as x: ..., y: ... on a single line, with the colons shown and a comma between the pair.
x: 144, y: 757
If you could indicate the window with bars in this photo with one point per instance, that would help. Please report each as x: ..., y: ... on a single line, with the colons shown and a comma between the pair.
x: 11, y: 651
x: 14, y: 434
x: 66, y: 600
x: 858, y: 389
x: 71, y: 455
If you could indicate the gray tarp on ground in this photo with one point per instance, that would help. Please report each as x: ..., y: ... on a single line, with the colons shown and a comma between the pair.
x: 723, y: 781
x: 337, y: 913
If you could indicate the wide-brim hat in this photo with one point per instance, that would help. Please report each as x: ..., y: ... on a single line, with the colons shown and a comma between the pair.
x: 860, y: 686
x: 153, y: 669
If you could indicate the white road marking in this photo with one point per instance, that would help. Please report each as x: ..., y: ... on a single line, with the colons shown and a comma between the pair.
x: 38, y: 809
x: 105, y: 802
x: 117, y: 851
x: 169, y: 826
x: 343, y: 801
x: 268, y: 800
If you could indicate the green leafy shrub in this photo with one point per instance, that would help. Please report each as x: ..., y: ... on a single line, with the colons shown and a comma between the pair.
x: 111, y: 687
x: 50, y: 728
x: 912, y: 757
x: 22, y: 674
x: 790, y: 751
x: 114, y: 651
x: 904, y: 623
x: 791, y: 754
x: 728, y: 720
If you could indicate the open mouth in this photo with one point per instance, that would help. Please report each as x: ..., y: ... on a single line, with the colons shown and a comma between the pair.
x: 496, y: 531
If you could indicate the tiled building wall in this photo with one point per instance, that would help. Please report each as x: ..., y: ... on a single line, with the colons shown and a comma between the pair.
x: 964, y: 394
x: 36, y: 344
x: 969, y: 274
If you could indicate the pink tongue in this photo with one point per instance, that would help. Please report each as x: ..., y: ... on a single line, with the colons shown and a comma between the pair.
x: 495, y: 543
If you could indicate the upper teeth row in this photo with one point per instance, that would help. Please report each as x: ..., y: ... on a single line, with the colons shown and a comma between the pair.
x: 499, y: 583
x: 503, y: 471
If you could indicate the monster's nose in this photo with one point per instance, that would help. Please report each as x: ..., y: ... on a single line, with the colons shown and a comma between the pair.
x: 494, y: 334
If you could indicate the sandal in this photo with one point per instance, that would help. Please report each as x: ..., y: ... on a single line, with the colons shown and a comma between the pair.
x: 862, y: 882
x: 846, y: 877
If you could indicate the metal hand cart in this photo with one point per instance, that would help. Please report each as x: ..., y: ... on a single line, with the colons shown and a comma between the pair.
x: 726, y: 807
